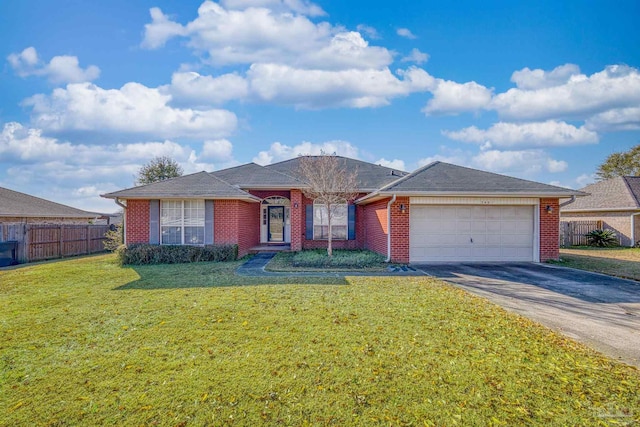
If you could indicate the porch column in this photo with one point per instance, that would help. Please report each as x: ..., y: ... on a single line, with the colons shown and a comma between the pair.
x: 297, y: 229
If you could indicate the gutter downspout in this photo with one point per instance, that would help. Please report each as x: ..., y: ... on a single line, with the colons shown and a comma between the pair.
x: 568, y: 202
x: 124, y: 220
x: 633, y: 230
x: 393, y: 199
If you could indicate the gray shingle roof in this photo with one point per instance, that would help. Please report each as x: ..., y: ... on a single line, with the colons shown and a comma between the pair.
x: 197, y: 185
x: 370, y: 176
x: 614, y: 193
x: 252, y: 175
x: 439, y: 178
x: 16, y: 204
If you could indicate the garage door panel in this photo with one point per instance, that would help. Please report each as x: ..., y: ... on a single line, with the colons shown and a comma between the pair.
x: 471, y: 233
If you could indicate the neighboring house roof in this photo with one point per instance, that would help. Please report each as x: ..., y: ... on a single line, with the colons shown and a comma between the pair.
x: 16, y: 204
x: 440, y: 178
x: 370, y: 176
x: 620, y: 193
x: 197, y: 185
x: 252, y: 175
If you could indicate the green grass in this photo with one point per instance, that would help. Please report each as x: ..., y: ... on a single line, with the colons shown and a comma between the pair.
x: 317, y: 260
x: 619, y: 262
x: 85, y: 342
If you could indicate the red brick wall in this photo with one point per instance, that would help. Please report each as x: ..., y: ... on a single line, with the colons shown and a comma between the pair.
x: 400, y: 231
x: 358, y: 243
x: 374, y: 222
x: 297, y: 220
x: 137, y: 221
x: 549, y: 230
x: 236, y: 222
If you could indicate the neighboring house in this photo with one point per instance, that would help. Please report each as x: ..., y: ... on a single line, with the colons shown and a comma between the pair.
x: 615, y: 202
x: 16, y: 207
x: 440, y: 212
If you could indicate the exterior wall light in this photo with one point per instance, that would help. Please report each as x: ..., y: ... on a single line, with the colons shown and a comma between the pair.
x: 403, y: 208
x: 549, y: 209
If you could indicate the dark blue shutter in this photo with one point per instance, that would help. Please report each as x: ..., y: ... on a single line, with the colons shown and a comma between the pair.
x: 309, y: 222
x: 208, y: 222
x: 154, y: 222
x: 352, y: 222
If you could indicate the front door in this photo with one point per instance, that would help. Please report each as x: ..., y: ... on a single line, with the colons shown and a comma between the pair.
x: 276, y: 223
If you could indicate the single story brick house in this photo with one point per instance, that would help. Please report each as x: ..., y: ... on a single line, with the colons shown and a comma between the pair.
x: 438, y: 213
x: 615, y: 202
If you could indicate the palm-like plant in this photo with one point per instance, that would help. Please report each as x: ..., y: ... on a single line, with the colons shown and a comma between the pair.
x: 602, y: 238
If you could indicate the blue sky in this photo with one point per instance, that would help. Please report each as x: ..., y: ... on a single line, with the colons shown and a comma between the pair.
x: 92, y: 90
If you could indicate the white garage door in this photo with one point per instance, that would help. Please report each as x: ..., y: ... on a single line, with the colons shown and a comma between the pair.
x: 470, y: 233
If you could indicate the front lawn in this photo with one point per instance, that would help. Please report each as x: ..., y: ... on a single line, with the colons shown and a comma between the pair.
x: 85, y: 342
x: 620, y: 262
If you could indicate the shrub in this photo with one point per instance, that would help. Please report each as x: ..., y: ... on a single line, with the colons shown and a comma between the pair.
x: 113, y: 238
x: 342, y: 258
x: 602, y: 238
x: 142, y: 254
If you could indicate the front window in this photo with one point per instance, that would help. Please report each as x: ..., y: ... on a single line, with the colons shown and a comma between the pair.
x: 338, y: 221
x: 182, y: 222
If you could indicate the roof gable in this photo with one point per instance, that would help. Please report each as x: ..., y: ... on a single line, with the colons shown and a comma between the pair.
x: 16, y: 204
x: 614, y: 193
x: 440, y: 177
x: 370, y: 176
x: 197, y: 185
x: 252, y: 175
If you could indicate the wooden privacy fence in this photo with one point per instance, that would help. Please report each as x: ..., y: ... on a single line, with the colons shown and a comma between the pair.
x: 38, y: 242
x: 572, y: 233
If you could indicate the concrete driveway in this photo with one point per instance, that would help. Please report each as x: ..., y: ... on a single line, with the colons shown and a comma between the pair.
x: 600, y: 311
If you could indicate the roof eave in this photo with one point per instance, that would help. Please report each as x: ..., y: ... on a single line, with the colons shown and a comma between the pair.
x: 182, y: 197
x: 580, y: 210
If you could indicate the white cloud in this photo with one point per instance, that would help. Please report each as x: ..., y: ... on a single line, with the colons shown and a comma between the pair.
x: 302, y: 7
x: 134, y: 109
x: 279, y: 152
x: 76, y: 174
x: 528, y: 79
x: 522, y: 162
x: 450, y: 97
x: 617, y: 86
x: 196, y: 88
x: 393, y: 164
x: 318, y: 88
x: 406, y: 33
x: 266, y: 33
x: 61, y: 69
x: 538, y: 134
x: 416, y: 56
x: 219, y: 149
x: 160, y: 29
x: 369, y: 31
x: 618, y: 119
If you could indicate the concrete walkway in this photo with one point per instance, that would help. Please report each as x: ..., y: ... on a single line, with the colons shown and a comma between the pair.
x: 598, y: 310
x: 255, y: 267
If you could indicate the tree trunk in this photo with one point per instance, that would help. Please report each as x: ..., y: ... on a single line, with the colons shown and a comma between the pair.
x: 329, y: 248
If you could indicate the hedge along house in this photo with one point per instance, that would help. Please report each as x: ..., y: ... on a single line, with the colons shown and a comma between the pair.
x: 440, y: 212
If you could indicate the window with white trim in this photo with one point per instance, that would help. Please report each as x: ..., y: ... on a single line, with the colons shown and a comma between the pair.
x: 339, y: 220
x: 182, y: 222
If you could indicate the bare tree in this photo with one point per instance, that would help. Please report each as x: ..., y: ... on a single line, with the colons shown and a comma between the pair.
x: 329, y: 183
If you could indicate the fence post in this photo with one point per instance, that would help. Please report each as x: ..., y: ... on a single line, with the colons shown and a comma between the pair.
x: 26, y: 242
x: 61, y: 245
x: 88, y: 231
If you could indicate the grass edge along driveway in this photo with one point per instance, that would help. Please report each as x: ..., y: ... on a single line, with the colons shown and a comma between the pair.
x: 619, y: 262
x: 85, y: 342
